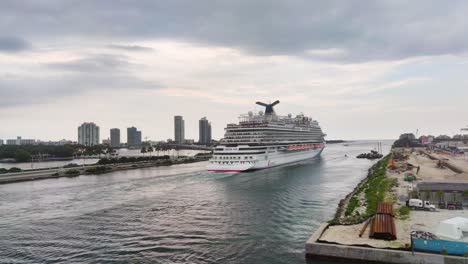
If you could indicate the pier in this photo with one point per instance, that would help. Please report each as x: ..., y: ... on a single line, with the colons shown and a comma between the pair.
x: 316, y: 249
x: 48, y: 173
x: 437, y: 178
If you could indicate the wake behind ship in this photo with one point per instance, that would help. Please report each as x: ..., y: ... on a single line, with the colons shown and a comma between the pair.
x: 267, y: 140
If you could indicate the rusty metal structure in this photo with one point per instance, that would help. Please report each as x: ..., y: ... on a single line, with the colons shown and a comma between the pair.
x: 385, y: 208
x: 382, y: 226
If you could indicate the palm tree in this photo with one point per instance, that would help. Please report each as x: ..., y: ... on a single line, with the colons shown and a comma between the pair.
x: 165, y: 148
x: 150, y: 150
x: 157, y: 148
x: 440, y: 195
x: 143, y: 150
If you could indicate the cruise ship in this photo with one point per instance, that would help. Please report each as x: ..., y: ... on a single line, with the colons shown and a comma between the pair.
x: 265, y: 140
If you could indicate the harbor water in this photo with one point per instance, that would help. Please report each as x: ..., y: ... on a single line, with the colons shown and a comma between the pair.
x: 178, y: 214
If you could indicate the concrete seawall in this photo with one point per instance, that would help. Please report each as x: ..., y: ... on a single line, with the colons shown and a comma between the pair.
x: 43, y: 174
x: 316, y: 249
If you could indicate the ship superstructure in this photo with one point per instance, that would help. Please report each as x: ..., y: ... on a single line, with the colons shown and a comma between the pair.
x: 266, y: 140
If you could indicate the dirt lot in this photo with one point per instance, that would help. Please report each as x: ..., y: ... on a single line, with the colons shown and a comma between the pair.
x: 418, y: 220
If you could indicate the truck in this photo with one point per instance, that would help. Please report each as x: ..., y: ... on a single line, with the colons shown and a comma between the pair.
x: 419, y: 204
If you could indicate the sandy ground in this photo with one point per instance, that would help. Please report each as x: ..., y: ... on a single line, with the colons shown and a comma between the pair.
x: 403, y: 188
x: 428, y: 221
x: 349, y: 235
x: 418, y: 220
x: 429, y: 170
x: 460, y: 161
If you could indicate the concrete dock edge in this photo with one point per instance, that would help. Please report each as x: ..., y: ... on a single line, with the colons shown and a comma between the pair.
x: 317, y: 249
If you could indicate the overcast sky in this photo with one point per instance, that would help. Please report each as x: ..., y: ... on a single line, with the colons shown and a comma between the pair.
x: 363, y: 69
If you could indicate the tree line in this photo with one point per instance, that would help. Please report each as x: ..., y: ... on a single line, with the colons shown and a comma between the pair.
x: 25, y: 153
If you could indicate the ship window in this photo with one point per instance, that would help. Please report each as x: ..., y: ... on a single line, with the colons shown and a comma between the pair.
x: 251, y: 157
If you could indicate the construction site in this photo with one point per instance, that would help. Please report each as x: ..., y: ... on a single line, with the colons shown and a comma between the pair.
x: 413, y: 200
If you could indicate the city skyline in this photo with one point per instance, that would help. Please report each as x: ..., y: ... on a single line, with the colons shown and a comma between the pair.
x: 74, y: 138
x: 117, y: 134
x: 63, y: 61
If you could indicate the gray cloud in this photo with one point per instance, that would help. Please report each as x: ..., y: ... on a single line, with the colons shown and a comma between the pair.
x: 129, y: 47
x: 26, y: 90
x: 94, y: 63
x: 13, y: 44
x: 363, y: 30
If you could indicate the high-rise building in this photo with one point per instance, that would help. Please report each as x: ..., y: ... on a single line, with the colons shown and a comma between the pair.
x: 133, y: 137
x: 204, y: 131
x: 88, y: 134
x: 179, y: 129
x: 115, y: 137
x: 138, y: 138
x: 1, y: 142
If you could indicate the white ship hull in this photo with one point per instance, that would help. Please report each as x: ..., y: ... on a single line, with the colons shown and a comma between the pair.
x: 272, y: 158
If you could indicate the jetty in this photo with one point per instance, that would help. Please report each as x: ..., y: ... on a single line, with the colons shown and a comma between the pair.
x: 373, y: 223
x: 74, y: 171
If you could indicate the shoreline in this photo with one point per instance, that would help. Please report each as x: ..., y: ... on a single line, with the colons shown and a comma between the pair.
x: 316, y: 249
x: 92, y: 169
x: 345, y: 236
x: 336, y: 141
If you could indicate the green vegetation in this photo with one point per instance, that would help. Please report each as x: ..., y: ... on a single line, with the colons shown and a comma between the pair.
x: 375, y: 189
x: 105, y: 161
x: 150, y: 150
x: 71, y: 165
x: 72, y: 172
x: 353, y: 204
x: 98, y: 170
x: 24, y: 153
x: 377, y: 186
x: 403, y: 212
x: 14, y: 169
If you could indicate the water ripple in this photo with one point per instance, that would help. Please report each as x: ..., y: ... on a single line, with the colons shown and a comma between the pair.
x: 177, y: 214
